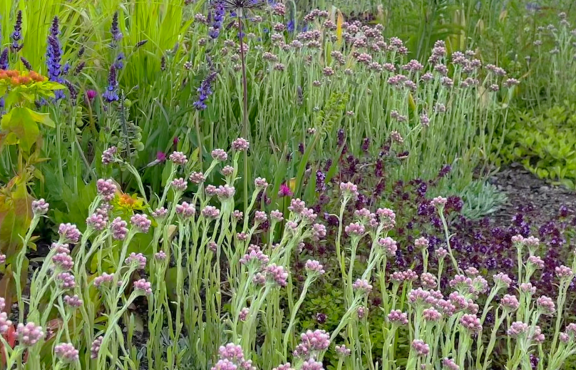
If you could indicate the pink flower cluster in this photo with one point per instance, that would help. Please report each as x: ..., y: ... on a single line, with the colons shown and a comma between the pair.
x: 69, y: 233
x: 40, y: 207
x: 29, y: 334
x: 66, y: 352
x: 119, y: 229
x: 311, y: 343
x: 141, y: 222
x: 106, y: 189
x: 136, y: 259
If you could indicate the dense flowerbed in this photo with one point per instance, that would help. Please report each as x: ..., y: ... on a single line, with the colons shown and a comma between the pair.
x: 268, y: 185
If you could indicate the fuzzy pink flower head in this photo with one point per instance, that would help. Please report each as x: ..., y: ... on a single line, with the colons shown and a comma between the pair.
x: 108, y: 156
x: 69, y: 233
x: 517, y: 329
x: 361, y: 312
x: 297, y: 206
x: 243, y: 315
x: 518, y: 239
x: 472, y: 307
x: 564, y: 272
x: 546, y: 305
x: 219, y: 155
x: 312, y: 342
x: 103, y: 279
x: 479, y: 285
x: 531, y: 242
x: 527, y: 288
x: 106, y: 189
x: 185, y: 210
x: 66, y: 280
x: 502, y: 280
x: 472, y: 271
x: 446, y: 307
x: 421, y: 243
x: 349, y: 190
x: 213, y: 246
x: 242, y: 236
x: 428, y: 281
x: 240, y: 145
x: 421, y: 348
x: 312, y: 364
x: 564, y: 338
x: 66, y: 352
x: 237, y: 215
x: 2, y: 259
x: 254, y: 257
x: 260, y: 183
x: 260, y: 217
x: 287, y: 365
x: 537, y: 336
x: 276, y: 216
x: 136, y: 259
x: 160, y: 213
x: 398, y: 317
x: 29, y: 334
x: 387, y: 217
x: 197, y: 178
x: 510, y: 303
x: 227, y: 171
x: 160, y: 256
x: 225, y: 192
x: 571, y: 329
x: 211, y: 212
x: 97, y: 221
x: 314, y: 267
x: 458, y: 300
x: 231, y: 352
x: 119, y: 229
x: 355, y: 229
x: 419, y: 296
x: 363, y: 286
x: 410, y: 275
x: 143, y: 286
x: 536, y: 262
x: 461, y: 283
x: 63, y: 261
x: 318, y: 232
x: 73, y: 301
x: 471, y: 323
x: 449, y: 364
x: 308, y: 215
x: 343, y: 351
x: 95, y: 347
x: 431, y: 314
x: 179, y: 184
x: 259, y: 279
x: 439, y: 202
x: 141, y: 222
x: 441, y: 253
x: 277, y: 274
x: 178, y: 158
x: 40, y: 207
x: 5, y: 324
x: 389, y: 245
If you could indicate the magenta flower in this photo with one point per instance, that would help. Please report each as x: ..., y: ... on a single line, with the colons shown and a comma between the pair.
x: 160, y: 157
x: 69, y: 233
x: 285, y: 191
x: 91, y: 94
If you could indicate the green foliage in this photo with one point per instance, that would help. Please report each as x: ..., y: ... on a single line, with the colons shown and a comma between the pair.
x: 545, y: 143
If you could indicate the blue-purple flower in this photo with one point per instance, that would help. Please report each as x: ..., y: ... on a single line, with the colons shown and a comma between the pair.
x: 111, y: 93
x: 54, y: 58
x: 115, y: 31
x: 16, y: 36
x: 204, y: 91
x: 217, y: 19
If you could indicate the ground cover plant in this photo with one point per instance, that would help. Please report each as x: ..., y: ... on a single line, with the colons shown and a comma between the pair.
x: 278, y: 185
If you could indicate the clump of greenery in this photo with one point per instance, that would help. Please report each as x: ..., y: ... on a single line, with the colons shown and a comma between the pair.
x: 546, y: 143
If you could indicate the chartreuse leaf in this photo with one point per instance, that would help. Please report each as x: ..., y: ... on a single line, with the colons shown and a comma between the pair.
x: 43, y: 118
x: 19, y: 122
